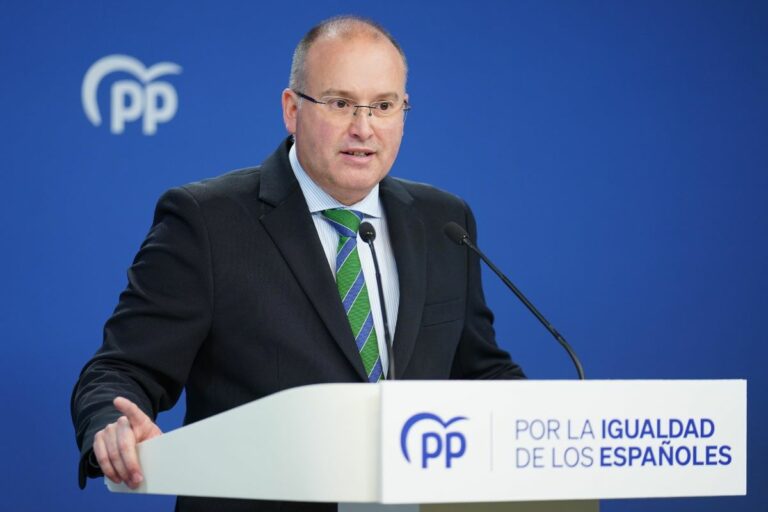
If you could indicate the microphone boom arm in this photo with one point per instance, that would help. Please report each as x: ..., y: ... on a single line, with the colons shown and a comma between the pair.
x: 458, y: 235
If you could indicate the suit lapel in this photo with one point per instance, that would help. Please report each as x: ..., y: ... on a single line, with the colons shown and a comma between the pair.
x: 407, y: 233
x: 290, y: 226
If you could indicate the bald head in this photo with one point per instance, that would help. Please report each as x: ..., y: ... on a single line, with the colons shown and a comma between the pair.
x: 340, y: 27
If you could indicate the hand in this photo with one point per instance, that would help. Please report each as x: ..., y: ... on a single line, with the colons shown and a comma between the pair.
x: 115, y: 445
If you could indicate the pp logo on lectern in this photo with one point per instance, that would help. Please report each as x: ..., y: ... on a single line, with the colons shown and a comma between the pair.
x: 436, y: 440
x: 144, y: 97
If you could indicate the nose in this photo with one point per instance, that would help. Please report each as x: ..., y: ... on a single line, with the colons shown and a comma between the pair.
x: 358, y: 107
x: 360, y: 125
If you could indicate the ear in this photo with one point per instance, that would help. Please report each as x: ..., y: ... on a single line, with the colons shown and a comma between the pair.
x: 290, y: 110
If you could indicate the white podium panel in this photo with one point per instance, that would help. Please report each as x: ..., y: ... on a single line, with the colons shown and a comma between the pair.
x: 562, y: 440
x: 317, y: 443
x: 463, y: 443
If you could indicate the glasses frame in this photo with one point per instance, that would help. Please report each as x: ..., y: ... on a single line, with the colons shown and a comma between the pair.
x: 405, y: 108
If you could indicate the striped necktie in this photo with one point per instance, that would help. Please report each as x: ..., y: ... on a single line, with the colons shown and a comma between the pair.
x: 354, y: 294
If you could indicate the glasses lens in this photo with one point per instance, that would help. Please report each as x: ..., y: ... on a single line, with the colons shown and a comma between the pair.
x: 344, y: 106
x: 338, y: 105
x: 386, y: 108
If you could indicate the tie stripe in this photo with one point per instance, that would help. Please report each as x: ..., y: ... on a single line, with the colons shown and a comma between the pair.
x: 376, y: 373
x: 344, y: 229
x: 364, y: 333
x: 345, y: 251
x: 354, y: 294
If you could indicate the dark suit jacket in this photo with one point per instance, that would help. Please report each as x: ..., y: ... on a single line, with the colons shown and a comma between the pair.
x: 230, y: 296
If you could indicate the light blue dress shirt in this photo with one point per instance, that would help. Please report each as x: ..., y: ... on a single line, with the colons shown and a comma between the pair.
x: 319, y: 200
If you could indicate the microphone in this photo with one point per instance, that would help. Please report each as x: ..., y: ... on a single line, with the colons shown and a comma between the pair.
x: 458, y: 235
x: 368, y: 234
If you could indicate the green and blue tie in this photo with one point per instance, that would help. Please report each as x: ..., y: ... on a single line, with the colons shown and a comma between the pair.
x: 354, y: 294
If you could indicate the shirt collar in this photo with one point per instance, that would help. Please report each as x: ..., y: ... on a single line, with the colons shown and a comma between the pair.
x: 319, y: 200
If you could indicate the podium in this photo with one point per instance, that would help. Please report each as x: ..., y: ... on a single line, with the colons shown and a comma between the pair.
x: 463, y: 445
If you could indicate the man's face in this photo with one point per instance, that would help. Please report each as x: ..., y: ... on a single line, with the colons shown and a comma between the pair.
x: 348, y: 155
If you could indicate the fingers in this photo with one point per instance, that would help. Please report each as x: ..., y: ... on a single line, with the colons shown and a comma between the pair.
x: 102, y: 457
x: 115, y: 449
x: 115, y: 445
x: 126, y: 443
x: 135, y: 415
x: 143, y: 426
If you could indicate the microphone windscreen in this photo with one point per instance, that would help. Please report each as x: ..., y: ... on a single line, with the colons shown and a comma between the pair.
x: 367, y: 233
x: 455, y: 232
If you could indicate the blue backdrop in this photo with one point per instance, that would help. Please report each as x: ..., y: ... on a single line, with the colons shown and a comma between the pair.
x: 615, y: 154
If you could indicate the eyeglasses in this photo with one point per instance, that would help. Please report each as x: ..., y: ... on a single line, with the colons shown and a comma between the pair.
x: 342, y: 106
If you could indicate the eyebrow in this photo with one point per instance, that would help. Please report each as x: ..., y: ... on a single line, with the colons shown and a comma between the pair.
x: 348, y: 95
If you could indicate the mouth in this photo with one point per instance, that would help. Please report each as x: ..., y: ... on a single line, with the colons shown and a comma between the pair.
x: 358, y: 157
x: 361, y: 153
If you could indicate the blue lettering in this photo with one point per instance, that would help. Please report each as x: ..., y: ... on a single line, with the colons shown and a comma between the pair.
x: 605, y: 456
x: 522, y: 457
x: 451, y: 452
x: 725, y: 455
x: 614, y: 429
x: 696, y: 460
x: 537, y: 430
x: 426, y: 453
x: 525, y: 457
x: 647, y: 430
x: 571, y: 456
x: 711, y: 455
x: 675, y: 428
x: 552, y: 428
x: 686, y: 458
x: 648, y: 457
x: 630, y: 432
x: 555, y: 463
x: 620, y: 454
x: 520, y: 427
x: 666, y: 454
x: 587, y: 430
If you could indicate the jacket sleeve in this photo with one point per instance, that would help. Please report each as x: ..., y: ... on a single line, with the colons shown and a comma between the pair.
x: 162, y: 317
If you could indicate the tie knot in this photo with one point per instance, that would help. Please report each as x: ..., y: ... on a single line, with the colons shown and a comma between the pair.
x: 345, y: 222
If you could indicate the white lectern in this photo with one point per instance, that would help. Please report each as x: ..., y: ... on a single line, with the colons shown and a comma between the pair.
x: 463, y: 445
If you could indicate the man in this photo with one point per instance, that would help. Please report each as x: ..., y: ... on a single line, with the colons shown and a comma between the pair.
x: 233, y: 294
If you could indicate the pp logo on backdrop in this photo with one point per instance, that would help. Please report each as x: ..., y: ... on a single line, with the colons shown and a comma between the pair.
x: 436, y: 439
x: 153, y: 101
